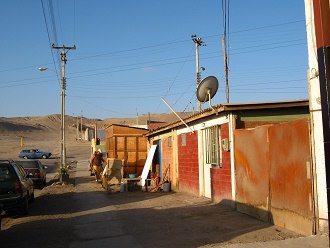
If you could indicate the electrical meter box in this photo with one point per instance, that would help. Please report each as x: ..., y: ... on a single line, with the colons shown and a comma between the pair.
x: 225, y: 144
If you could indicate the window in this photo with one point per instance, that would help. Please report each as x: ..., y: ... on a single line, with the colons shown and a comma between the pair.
x: 211, y: 142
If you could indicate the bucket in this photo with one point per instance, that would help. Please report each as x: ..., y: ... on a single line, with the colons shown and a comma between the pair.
x: 132, y: 175
x: 122, y: 187
x: 167, y: 187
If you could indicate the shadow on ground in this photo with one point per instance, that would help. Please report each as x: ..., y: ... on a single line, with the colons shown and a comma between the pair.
x: 153, y: 220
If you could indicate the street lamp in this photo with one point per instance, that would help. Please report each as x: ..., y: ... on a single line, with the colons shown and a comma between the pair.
x: 42, y: 68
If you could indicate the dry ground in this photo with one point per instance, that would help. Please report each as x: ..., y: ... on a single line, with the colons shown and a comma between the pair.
x: 153, y: 219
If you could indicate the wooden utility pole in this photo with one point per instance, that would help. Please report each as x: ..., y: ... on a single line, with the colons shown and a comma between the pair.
x: 225, y: 64
x: 81, y: 126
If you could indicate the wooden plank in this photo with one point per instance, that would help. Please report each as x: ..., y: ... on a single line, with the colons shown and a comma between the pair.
x: 147, y: 164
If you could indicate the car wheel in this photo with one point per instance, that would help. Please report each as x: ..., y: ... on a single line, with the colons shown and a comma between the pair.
x: 24, y: 208
x: 25, y: 157
x: 32, y: 198
x: 42, y: 185
x: 44, y: 156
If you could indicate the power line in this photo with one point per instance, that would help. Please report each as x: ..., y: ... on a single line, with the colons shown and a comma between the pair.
x: 74, y: 21
x: 19, y: 68
x: 126, y: 97
x: 49, y: 41
x: 163, y: 64
x: 129, y: 50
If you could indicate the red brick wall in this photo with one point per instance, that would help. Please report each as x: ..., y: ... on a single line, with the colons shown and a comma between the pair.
x: 221, y: 177
x: 188, y: 164
x: 166, y: 157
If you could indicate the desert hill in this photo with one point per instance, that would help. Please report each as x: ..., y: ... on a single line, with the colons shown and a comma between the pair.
x: 44, y: 132
x: 51, y: 124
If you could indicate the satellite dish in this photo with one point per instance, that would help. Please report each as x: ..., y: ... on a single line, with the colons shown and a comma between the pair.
x: 207, y: 89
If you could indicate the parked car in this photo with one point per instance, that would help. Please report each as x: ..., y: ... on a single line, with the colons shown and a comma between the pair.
x: 16, y: 189
x: 34, y: 154
x: 34, y: 170
x: 1, y: 206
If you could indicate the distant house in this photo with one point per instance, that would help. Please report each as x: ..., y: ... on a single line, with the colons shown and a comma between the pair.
x: 251, y: 156
x: 153, y: 125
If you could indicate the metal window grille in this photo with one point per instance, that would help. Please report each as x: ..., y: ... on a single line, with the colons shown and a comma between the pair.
x: 211, y: 139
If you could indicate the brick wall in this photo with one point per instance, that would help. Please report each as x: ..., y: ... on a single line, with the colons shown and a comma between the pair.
x: 188, y: 164
x: 221, y: 177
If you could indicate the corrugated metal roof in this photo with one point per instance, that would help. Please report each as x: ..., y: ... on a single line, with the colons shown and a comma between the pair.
x: 225, y: 107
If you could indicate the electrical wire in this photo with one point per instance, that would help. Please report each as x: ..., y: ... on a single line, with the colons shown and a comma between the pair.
x: 49, y: 41
x: 175, y: 78
x: 140, y: 48
x: 74, y: 21
x: 126, y: 97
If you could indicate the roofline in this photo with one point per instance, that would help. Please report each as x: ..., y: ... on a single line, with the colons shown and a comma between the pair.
x: 225, y: 107
x: 120, y: 125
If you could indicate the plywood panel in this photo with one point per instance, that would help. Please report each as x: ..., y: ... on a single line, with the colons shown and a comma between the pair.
x: 131, y: 143
x: 120, y: 143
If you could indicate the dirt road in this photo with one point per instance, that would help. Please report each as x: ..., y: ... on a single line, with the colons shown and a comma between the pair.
x: 85, y: 215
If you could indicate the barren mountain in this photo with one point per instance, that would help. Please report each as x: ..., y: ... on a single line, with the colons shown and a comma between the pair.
x: 44, y: 132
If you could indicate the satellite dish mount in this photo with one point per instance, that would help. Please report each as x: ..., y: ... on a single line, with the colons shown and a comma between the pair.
x: 207, y: 89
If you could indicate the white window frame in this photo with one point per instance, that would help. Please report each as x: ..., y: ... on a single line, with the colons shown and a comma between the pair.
x: 212, y: 148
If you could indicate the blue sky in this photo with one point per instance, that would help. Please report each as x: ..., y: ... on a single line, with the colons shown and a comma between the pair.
x: 130, y: 53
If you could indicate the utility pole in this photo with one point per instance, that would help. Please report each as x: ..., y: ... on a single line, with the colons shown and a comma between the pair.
x: 137, y: 117
x: 81, y: 126
x: 64, y: 50
x: 225, y: 64
x: 77, y: 128
x: 198, y: 42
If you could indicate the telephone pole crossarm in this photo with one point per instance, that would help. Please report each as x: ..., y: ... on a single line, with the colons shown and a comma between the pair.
x: 198, y: 42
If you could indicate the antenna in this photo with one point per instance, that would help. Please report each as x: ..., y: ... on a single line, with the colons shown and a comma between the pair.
x: 207, y: 89
x: 168, y: 105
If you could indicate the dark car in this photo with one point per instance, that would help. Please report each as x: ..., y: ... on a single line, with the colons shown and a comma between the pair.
x: 34, y: 154
x: 34, y: 170
x: 16, y: 189
x: 0, y: 215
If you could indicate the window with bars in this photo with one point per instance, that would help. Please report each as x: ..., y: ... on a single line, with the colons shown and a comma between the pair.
x: 212, y: 147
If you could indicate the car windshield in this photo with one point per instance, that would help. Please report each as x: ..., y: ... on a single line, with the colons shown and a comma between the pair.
x: 28, y: 164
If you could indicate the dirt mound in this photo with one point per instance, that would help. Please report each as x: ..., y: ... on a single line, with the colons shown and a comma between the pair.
x: 17, y: 127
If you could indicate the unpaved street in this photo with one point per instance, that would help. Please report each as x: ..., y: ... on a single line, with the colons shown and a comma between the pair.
x: 85, y: 215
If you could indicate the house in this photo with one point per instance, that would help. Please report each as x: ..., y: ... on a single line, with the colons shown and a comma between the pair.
x: 255, y: 157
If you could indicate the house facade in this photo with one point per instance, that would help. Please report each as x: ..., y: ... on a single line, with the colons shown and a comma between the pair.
x: 227, y: 154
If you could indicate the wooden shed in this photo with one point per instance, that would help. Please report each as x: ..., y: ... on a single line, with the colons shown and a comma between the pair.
x: 128, y: 144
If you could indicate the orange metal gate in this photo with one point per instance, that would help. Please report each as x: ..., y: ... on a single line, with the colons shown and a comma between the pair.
x: 274, y: 176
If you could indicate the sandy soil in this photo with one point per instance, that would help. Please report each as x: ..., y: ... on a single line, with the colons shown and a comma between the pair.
x: 150, y: 219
